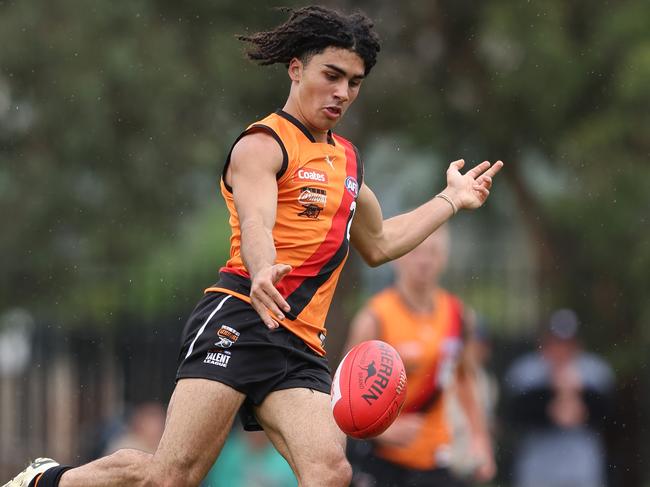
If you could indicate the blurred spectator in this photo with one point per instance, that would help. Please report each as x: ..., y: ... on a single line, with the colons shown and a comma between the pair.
x: 426, y: 325
x: 478, y: 351
x: 143, y: 431
x: 559, y: 398
x: 248, y: 459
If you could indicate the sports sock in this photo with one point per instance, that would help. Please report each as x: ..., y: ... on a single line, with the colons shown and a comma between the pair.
x: 50, y: 478
x: 35, y: 480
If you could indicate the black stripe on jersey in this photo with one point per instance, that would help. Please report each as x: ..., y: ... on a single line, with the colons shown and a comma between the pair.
x: 359, y: 165
x: 234, y: 282
x: 248, y: 131
x: 302, y: 128
x: 302, y: 295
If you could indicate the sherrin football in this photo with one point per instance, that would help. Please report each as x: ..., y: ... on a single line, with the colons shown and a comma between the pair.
x: 368, y: 389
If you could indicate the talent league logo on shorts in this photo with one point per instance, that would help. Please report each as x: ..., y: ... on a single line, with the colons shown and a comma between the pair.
x: 227, y: 336
x: 217, y: 358
x: 310, y: 175
x: 352, y: 186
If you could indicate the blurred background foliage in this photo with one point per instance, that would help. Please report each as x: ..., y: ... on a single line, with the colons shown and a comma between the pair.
x: 115, y: 118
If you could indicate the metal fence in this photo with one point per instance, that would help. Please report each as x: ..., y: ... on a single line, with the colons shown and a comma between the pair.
x: 75, y: 381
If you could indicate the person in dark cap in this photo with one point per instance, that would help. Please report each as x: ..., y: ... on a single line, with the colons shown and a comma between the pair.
x: 559, y: 399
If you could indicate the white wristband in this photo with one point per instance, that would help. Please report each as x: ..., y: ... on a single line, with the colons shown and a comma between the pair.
x: 448, y: 200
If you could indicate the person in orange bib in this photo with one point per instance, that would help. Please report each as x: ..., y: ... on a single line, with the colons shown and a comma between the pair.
x: 426, y: 324
x: 297, y: 199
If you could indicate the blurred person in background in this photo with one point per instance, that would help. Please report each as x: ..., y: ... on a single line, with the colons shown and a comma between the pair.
x: 478, y: 352
x: 144, y: 428
x: 248, y: 459
x: 426, y: 324
x: 254, y: 344
x: 559, y: 399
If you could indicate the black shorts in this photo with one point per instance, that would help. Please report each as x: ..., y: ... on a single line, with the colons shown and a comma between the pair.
x: 225, y: 340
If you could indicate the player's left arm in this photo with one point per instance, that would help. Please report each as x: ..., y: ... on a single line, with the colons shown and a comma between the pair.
x: 467, y: 393
x: 379, y: 241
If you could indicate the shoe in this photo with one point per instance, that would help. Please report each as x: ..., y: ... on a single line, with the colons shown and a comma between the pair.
x: 38, y: 466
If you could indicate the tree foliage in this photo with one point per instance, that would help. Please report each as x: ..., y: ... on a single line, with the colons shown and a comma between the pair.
x: 114, y: 119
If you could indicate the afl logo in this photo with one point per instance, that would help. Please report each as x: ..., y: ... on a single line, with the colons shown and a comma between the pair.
x: 352, y: 186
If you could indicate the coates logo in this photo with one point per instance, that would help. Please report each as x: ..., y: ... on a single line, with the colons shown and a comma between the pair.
x: 352, y: 186
x: 310, y: 175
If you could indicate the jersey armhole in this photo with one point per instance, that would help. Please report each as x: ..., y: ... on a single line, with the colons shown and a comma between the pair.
x: 347, y: 145
x: 359, y: 165
x: 257, y: 128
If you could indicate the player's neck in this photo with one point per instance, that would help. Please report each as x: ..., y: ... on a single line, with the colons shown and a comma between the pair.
x: 417, y: 298
x: 293, y: 110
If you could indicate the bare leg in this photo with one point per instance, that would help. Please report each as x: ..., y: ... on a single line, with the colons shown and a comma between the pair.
x: 200, y: 415
x: 299, y: 422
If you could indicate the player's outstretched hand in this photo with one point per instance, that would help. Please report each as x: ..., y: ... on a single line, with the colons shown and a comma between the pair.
x: 265, y: 298
x: 470, y: 190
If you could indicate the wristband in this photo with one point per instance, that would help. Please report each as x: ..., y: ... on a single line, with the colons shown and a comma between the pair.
x: 448, y: 200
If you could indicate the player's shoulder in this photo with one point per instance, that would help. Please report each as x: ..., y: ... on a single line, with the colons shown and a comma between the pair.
x: 346, y: 143
x: 387, y: 295
x: 256, y: 143
x: 528, y: 371
x: 256, y: 147
x: 343, y: 140
x: 453, y: 300
x: 596, y: 371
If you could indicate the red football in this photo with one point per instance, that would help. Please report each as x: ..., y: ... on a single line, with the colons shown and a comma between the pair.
x: 368, y: 389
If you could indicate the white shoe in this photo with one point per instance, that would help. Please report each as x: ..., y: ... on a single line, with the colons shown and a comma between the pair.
x: 38, y: 466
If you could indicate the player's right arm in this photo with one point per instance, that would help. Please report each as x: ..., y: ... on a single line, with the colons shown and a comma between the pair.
x: 380, y: 240
x: 254, y: 162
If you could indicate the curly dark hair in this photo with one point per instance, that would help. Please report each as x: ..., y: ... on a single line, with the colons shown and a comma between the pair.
x: 309, y: 31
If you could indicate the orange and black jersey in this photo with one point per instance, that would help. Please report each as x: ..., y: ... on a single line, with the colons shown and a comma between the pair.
x: 429, y: 344
x: 318, y: 185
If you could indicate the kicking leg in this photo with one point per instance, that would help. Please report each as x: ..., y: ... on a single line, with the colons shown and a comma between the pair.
x: 201, y: 413
x: 299, y: 422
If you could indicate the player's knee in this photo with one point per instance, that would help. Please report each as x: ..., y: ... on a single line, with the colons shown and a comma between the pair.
x: 343, y: 475
x: 332, y: 471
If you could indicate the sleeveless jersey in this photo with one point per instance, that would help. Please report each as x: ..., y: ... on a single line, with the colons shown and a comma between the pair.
x: 318, y: 186
x: 429, y: 345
